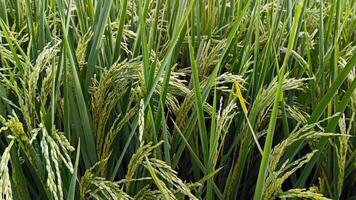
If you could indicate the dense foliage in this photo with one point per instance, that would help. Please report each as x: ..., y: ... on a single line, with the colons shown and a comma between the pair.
x: 177, y: 99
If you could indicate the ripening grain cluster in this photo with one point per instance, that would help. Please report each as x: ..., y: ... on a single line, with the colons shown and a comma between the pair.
x: 177, y: 99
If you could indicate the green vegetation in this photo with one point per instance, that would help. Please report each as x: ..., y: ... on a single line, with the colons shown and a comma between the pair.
x: 177, y: 99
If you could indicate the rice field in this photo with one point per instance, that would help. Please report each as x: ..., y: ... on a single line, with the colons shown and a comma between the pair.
x: 177, y: 99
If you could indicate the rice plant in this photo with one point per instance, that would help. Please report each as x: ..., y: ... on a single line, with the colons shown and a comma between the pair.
x: 185, y: 99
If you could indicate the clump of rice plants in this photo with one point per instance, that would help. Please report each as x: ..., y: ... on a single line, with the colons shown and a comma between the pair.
x: 188, y: 99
